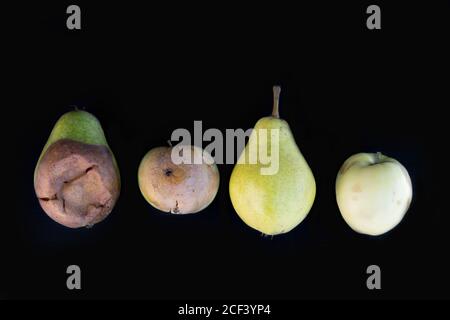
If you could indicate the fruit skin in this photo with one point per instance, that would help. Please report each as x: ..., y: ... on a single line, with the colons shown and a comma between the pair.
x: 373, y: 192
x: 177, y: 188
x: 273, y: 204
x: 77, y: 179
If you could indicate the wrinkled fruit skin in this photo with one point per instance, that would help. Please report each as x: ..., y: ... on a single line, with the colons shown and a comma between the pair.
x: 77, y: 184
x: 177, y: 188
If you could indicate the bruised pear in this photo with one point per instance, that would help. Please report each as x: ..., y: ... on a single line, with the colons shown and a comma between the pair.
x: 76, y: 178
x: 187, y: 185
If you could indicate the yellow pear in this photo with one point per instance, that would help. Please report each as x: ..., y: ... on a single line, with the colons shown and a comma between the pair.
x: 272, y: 187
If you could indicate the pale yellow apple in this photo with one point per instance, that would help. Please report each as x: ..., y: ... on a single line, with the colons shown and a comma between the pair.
x: 373, y: 192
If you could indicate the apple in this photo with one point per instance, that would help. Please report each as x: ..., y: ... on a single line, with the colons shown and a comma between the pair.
x: 373, y: 192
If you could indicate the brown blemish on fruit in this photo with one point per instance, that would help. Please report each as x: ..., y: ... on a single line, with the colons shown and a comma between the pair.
x: 188, y: 187
x: 176, y: 209
x: 54, y: 197
x: 356, y: 188
x: 77, y: 183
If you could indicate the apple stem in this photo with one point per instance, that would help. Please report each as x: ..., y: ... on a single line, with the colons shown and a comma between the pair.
x: 276, y: 101
x: 379, y: 156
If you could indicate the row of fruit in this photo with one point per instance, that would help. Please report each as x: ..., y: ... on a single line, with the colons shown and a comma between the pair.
x: 77, y: 180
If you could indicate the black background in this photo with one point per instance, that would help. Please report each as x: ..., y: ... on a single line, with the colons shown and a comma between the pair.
x: 145, y: 71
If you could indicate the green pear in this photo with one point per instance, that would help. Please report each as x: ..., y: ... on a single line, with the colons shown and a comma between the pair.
x: 77, y: 179
x: 272, y: 201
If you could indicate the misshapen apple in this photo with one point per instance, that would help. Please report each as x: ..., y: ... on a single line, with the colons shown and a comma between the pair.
x: 373, y: 192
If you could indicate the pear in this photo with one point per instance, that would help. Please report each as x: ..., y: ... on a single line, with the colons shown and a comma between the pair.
x: 276, y: 201
x: 76, y: 179
x: 183, y: 187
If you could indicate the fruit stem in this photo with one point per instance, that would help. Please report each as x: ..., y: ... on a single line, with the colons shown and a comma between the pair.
x: 379, y: 156
x: 276, y: 101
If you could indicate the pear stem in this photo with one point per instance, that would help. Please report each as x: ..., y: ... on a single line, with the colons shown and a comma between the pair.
x: 276, y: 101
